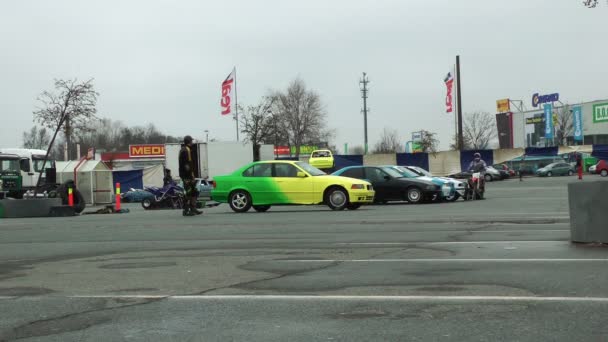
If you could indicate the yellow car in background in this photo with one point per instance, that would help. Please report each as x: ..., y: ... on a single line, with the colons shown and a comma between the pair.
x: 262, y: 184
x: 321, y: 159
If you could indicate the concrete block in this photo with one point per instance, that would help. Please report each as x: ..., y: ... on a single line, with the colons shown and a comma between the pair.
x: 39, y: 207
x: 588, y: 214
x: 379, y: 159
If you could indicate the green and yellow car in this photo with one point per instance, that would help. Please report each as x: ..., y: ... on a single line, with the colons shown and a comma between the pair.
x: 262, y: 184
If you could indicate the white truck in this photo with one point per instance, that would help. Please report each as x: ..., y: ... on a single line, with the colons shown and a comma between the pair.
x: 27, y: 163
x: 216, y: 158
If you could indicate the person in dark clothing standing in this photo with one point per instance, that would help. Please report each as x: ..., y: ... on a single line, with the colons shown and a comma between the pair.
x: 186, y: 173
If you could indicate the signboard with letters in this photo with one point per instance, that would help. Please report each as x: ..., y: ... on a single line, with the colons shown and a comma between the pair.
x: 577, y: 113
x: 540, y: 99
x: 147, y: 151
x: 503, y: 106
x: 600, y: 112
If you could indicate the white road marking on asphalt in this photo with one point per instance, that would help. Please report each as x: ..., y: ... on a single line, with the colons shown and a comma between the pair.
x: 329, y: 297
x: 447, y: 260
x: 444, y: 242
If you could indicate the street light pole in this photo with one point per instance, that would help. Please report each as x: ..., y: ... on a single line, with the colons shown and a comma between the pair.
x: 207, y: 136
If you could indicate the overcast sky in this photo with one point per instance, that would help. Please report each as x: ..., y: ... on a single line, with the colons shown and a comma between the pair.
x: 162, y: 62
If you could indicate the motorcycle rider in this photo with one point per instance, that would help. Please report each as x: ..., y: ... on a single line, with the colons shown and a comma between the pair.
x: 478, y: 165
x: 186, y: 173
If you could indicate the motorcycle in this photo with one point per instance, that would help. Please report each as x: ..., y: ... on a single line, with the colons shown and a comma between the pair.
x: 476, y: 187
x: 170, y: 196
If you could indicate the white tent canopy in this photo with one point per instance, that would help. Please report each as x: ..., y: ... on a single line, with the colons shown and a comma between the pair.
x: 93, y: 179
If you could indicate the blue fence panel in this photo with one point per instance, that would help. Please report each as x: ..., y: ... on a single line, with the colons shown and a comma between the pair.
x: 128, y: 179
x: 542, y: 151
x: 413, y: 159
x: 466, y: 157
x: 342, y: 161
x: 600, y: 152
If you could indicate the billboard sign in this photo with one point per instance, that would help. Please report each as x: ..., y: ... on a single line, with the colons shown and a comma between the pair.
x: 288, y: 151
x: 548, y: 120
x: 540, y: 99
x: 503, y: 106
x: 147, y: 151
x: 600, y: 112
x: 577, y: 113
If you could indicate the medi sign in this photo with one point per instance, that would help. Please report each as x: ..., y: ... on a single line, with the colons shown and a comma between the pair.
x: 146, y: 151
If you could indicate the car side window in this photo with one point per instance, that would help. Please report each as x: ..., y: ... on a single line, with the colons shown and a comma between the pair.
x: 259, y: 170
x: 353, y: 173
x: 375, y: 175
x: 285, y: 170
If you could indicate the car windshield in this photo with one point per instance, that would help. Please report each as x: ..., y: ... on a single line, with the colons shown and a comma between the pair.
x: 9, y: 164
x: 407, y: 172
x: 392, y: 172
x: 313, y: 171
x: 421, y: 171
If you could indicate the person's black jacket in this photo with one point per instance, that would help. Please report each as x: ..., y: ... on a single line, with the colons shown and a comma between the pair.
x: 186, y: 163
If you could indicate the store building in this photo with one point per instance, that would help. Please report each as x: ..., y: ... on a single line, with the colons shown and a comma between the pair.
x: 518, y: 129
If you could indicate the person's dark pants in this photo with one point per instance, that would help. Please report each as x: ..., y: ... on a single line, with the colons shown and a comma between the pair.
x: 191, y: 194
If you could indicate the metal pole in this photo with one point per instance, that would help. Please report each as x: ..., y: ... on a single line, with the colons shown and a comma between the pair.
x: 236, y: 107
x: 459, y: 108
x: 364, y: 81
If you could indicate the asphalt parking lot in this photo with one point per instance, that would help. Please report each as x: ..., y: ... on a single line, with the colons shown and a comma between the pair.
x: 493, y: 270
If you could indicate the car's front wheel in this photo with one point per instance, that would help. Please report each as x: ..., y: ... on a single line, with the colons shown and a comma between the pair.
x: 240, y: 201
x: 336, y: 198
x: 146, y: 203
x: 604, y: 173
x: 414, y: 195
x: 570, y: 173
x: 549, y: 174
x: 488, y: 177
x: 261, y: 208
x: 453, y: 197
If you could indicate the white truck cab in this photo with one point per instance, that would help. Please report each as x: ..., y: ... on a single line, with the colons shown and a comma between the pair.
x: 27, y: 161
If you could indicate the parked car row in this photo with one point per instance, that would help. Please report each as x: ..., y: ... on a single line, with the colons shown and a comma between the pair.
x: 260, y: 185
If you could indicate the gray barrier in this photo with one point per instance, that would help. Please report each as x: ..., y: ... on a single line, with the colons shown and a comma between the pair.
x: 588, y: 211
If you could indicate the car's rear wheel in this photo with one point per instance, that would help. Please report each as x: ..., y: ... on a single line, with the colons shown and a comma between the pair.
x: 414, y: 195
x: 261, y: 208
x: 336, y: 198
x: 570, y: 173
x: 604, y: 173
x: 549, y: 174
x: 353, y: 206
x: 240, y: 201
x: 146, y: 203
x: 488, y: 177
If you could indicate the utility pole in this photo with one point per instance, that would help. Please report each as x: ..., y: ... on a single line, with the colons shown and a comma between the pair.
x: 363, y: 82
x: 459, y: 108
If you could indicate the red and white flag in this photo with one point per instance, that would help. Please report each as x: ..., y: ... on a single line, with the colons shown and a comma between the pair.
x: 228, y: 101
x: 449, y: 83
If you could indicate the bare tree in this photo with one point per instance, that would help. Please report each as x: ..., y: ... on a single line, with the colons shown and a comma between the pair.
x: 478, y: 130
x: 389, y: 142
x: 36, y: 138
x: 300, y: 113
x: 72, y: 105
x: 564, y: 125
x: 258, y: 124
x: 429, y: 142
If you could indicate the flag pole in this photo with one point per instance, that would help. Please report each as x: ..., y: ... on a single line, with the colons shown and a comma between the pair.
x: 236, y: 107
x: 459, y: 105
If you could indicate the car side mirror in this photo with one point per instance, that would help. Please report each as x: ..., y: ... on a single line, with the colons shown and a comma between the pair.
x: 301, y: 174
x: 387, y: 178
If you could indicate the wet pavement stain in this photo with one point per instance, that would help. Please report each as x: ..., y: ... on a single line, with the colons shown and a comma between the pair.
x: 131, y: 265
x: 24, y: 291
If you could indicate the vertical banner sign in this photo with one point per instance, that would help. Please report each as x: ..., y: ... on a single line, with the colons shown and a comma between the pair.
x: 548, y: 121
x: 449, y: 83
x: 227, y: 101
x: 578, y: 123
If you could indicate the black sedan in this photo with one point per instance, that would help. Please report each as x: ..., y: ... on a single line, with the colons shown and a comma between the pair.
x: 390, y: 185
